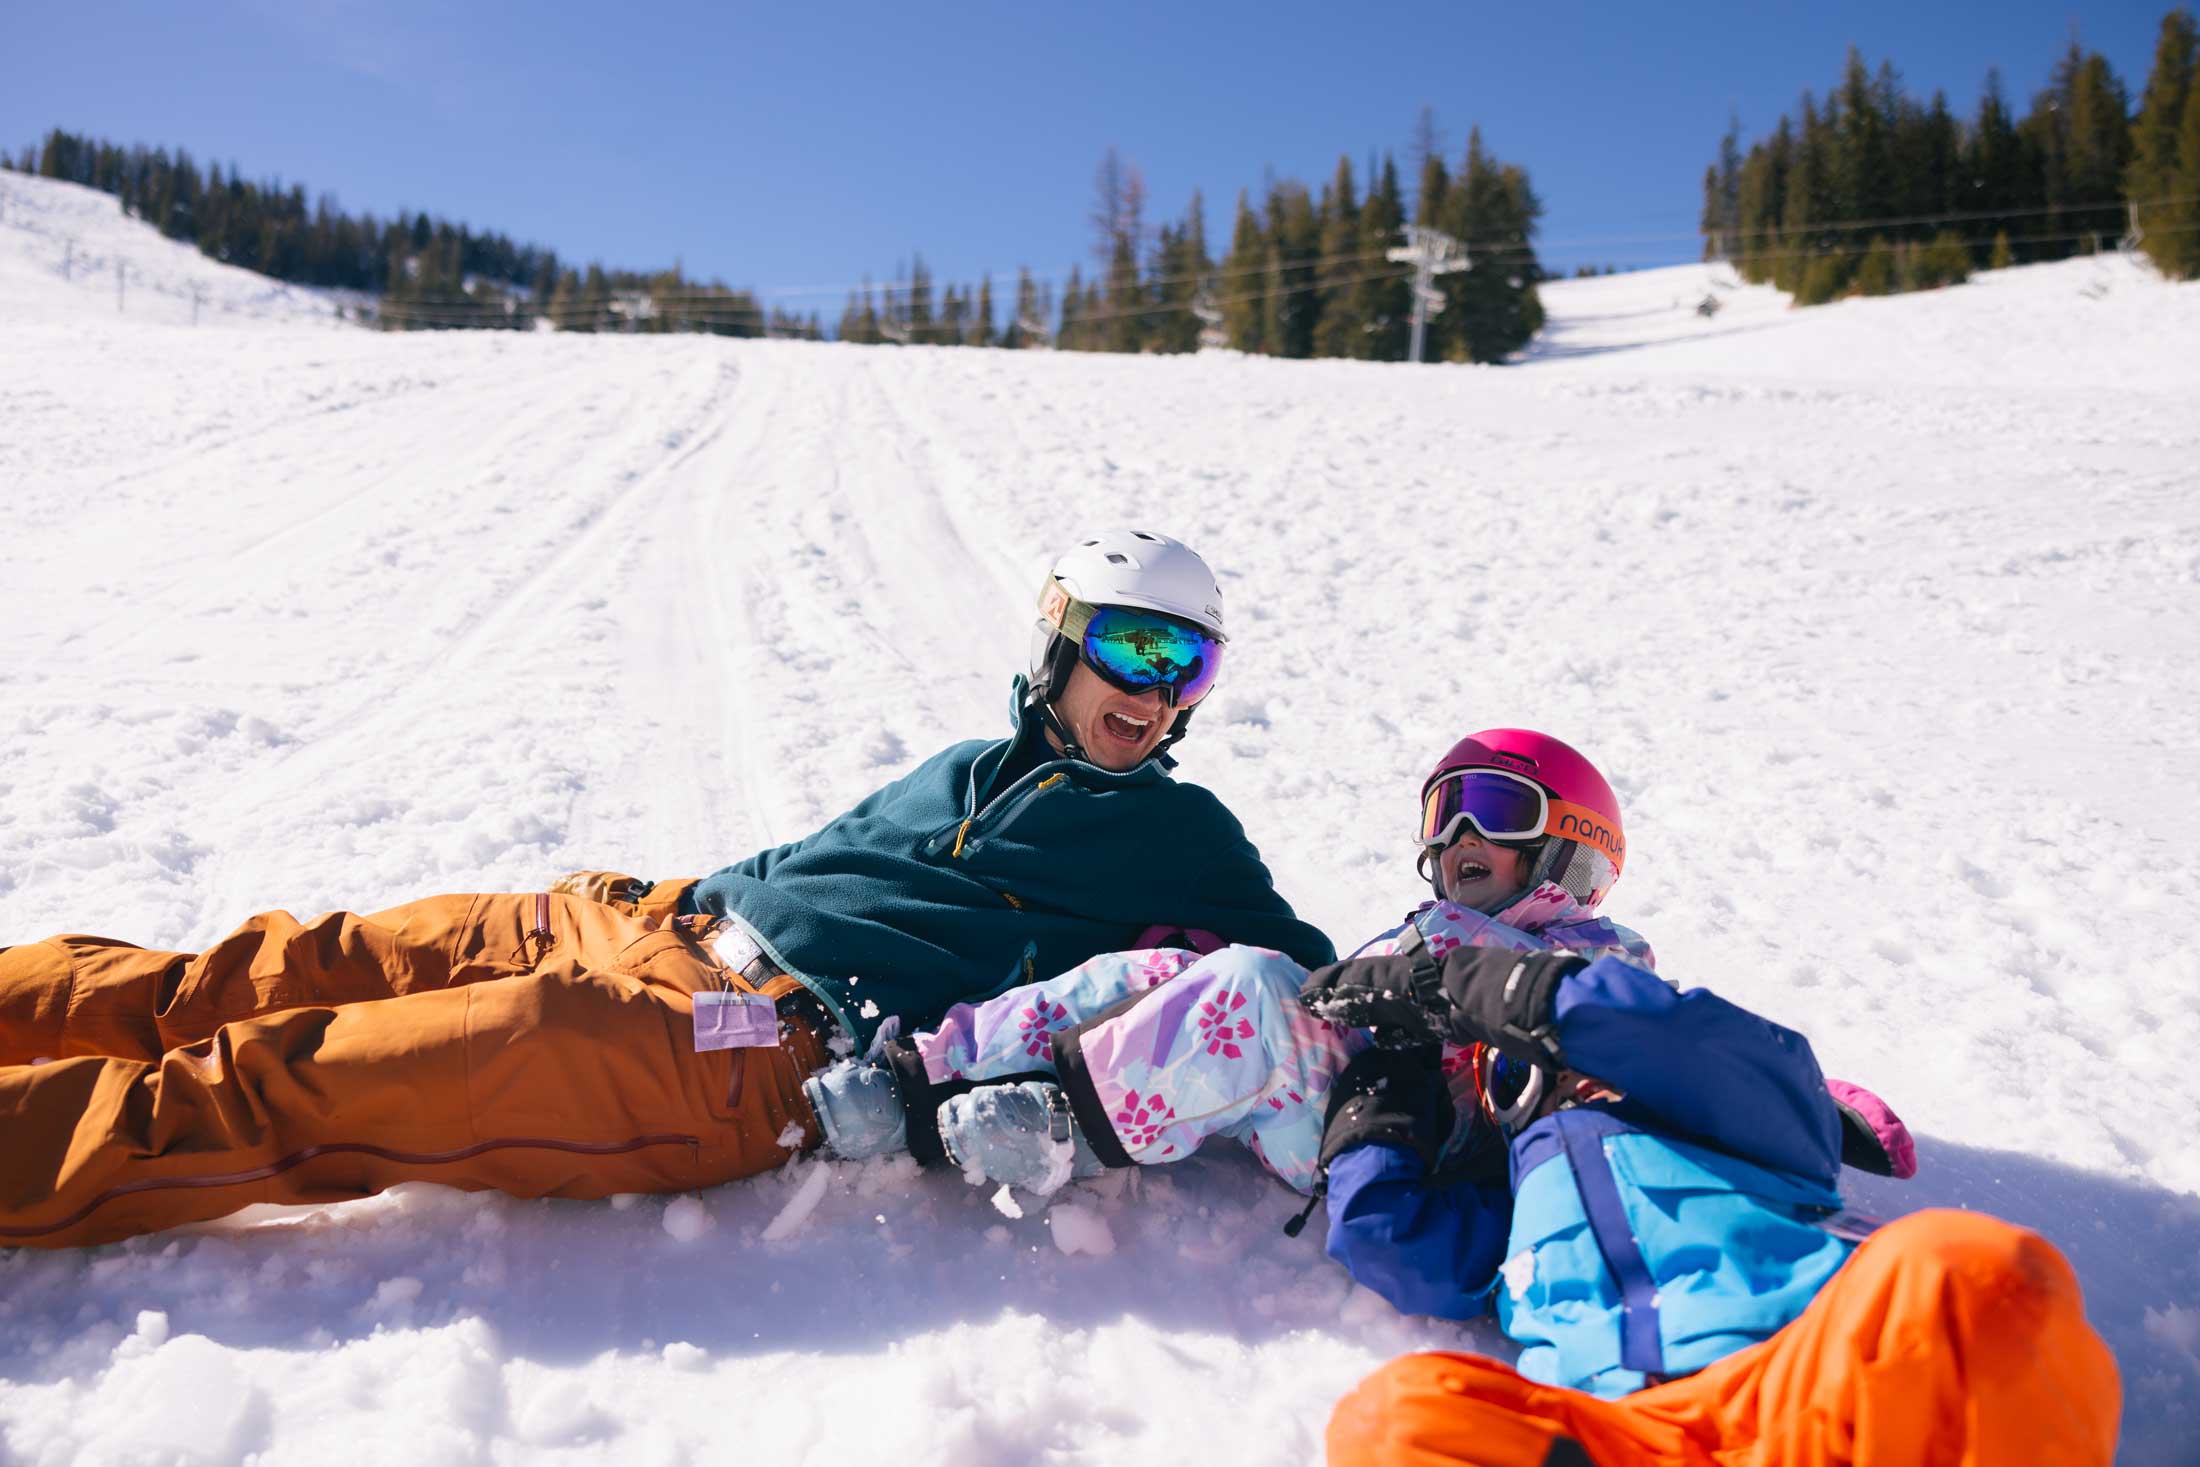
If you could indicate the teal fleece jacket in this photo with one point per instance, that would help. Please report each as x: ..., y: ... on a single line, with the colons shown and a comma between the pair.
x: 942, y: 889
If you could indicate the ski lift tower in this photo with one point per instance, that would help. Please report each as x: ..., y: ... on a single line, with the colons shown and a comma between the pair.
x: 1432, y: 253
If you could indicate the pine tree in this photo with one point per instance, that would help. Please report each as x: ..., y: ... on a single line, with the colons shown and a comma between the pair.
x: 1069, y: 335
x: 1490, y: 309
x: 1180, y: 283
x: 1383, y: 301
x: 981, y: 331
x: 2169, y: 232
x: 2182, y: 249
x: 1759, y: 203
x: 1119, y: 228
x: 1244, y: 312
x: 1337, y: 323
x: 948, y: 330
x: 1992, y: 159
x: 917, y: 316
x: 1294, y: 242
x: 1856, y: 185
x: 1802, y: 244
x: 1722, y: 185
x: 2100, y: 149
x: 1027, y: 323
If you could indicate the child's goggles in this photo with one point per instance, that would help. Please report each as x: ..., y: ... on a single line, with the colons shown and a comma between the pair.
x: 1136, y: 650
x: 1508, y: 807
x: 1500, y: 804
x: 1510, y: 1090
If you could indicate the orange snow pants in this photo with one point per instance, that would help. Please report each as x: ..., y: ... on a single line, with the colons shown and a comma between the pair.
x: 537, y: 1045
x: 1947, y: 1338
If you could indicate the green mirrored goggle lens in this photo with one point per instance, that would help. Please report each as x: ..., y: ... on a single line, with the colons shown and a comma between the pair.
x: 1137, y: 650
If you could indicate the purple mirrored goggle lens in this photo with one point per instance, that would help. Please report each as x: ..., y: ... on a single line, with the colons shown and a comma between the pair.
x: 1137, y: 650
x: 1500, y: 805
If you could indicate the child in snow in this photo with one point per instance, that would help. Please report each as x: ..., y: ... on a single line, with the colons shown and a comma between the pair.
x: 1640, y: 1183
x: 1137, y: 1057
x: 1671, y: 1232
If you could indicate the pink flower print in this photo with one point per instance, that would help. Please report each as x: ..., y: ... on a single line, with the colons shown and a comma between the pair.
x: 1140, y: 1120
x: 1162, y: 964
x: 1036, y: 1025
x: 1217, y: 1028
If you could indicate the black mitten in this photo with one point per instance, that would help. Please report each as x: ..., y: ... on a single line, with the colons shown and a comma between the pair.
x: 1504, y: 1000
x: 1393, y: 1096
x: 1412, y: 997
x: 1400, y: 997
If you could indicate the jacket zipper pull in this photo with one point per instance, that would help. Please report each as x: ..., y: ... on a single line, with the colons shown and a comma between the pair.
x: 1297, y: 1225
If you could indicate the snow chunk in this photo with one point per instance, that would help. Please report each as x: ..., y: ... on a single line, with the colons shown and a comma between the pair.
x: 393, y: 1298
x: 1518, y: 1272
x: 681, y: 1355
x: 1081, y: 1229
x: 1004, y: 1203
x: 686, y: 1219
x: 151, y: 1334
x: 789, y: 1137
x: 807, y: 1194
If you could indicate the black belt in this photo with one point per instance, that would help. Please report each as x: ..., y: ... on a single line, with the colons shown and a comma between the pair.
x: 797, y: 1002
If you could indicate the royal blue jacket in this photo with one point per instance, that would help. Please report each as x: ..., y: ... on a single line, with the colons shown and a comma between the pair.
x: 952, y: 883
x: 1637, y: 1239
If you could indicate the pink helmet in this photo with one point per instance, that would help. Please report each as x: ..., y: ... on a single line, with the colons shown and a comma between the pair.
x: 1582, y: 846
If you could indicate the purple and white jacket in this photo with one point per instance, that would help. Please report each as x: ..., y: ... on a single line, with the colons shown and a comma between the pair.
x: 1158, y: 1050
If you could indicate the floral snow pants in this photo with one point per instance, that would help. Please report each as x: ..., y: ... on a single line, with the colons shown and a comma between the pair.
x: 538, y: 1045
x: 1948, y: 1338
x: 1220, y: 1046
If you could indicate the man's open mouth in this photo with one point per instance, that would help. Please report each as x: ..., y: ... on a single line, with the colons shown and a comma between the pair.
x: 1121, y: 725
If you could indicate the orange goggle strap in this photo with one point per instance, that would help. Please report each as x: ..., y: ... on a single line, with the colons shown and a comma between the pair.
x: 1579, y: 823
x: 1561, y: 818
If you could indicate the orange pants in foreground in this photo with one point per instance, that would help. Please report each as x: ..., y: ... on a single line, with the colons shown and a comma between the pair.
x: 1948, y: 1338
x: 537, y: 1045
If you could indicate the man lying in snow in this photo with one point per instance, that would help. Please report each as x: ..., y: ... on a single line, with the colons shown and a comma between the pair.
x: 654, y: 1038
x: 1678, y: 1211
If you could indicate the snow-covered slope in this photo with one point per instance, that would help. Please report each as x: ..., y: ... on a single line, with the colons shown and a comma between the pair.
x: 1885, y: 618
x: 62, y: 247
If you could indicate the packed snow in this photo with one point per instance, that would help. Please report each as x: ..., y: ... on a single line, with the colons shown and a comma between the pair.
x: 1883, y: 616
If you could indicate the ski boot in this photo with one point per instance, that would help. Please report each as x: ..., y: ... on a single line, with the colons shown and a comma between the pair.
x: 1021, y: 1135
x: 859, y: 1107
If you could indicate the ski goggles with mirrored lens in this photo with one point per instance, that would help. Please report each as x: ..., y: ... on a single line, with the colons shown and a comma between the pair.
x: 1509, y: 1090
x: 1136, y: 650
x: 1500, y: 804
x: 1510, y: 808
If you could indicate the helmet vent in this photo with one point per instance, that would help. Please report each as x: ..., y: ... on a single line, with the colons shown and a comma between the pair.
x: 1116, y: 557
x: 1147, y: 535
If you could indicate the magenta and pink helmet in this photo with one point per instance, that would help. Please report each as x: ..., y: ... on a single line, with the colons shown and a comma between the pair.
x: 1527, y: 790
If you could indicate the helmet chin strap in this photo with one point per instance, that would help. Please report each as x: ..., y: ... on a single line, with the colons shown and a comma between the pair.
x: 1071, y: 749
x: 1061, y: 659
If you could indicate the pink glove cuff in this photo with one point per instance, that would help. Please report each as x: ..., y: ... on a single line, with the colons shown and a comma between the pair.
x: 1894, y: 1137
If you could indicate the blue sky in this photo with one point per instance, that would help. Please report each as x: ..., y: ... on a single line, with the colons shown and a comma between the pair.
x: 783, y: 146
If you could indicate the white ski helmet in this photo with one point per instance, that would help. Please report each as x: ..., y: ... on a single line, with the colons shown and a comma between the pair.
x: 1140, y: 568
x: 1135, y: 568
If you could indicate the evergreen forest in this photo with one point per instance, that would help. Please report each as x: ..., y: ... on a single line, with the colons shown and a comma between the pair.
x: 421, y: 272
x: 1871, y: 190
x: 1303, y: 274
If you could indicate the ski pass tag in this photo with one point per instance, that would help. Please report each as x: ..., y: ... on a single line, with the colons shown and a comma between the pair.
x: 735, y: 1021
